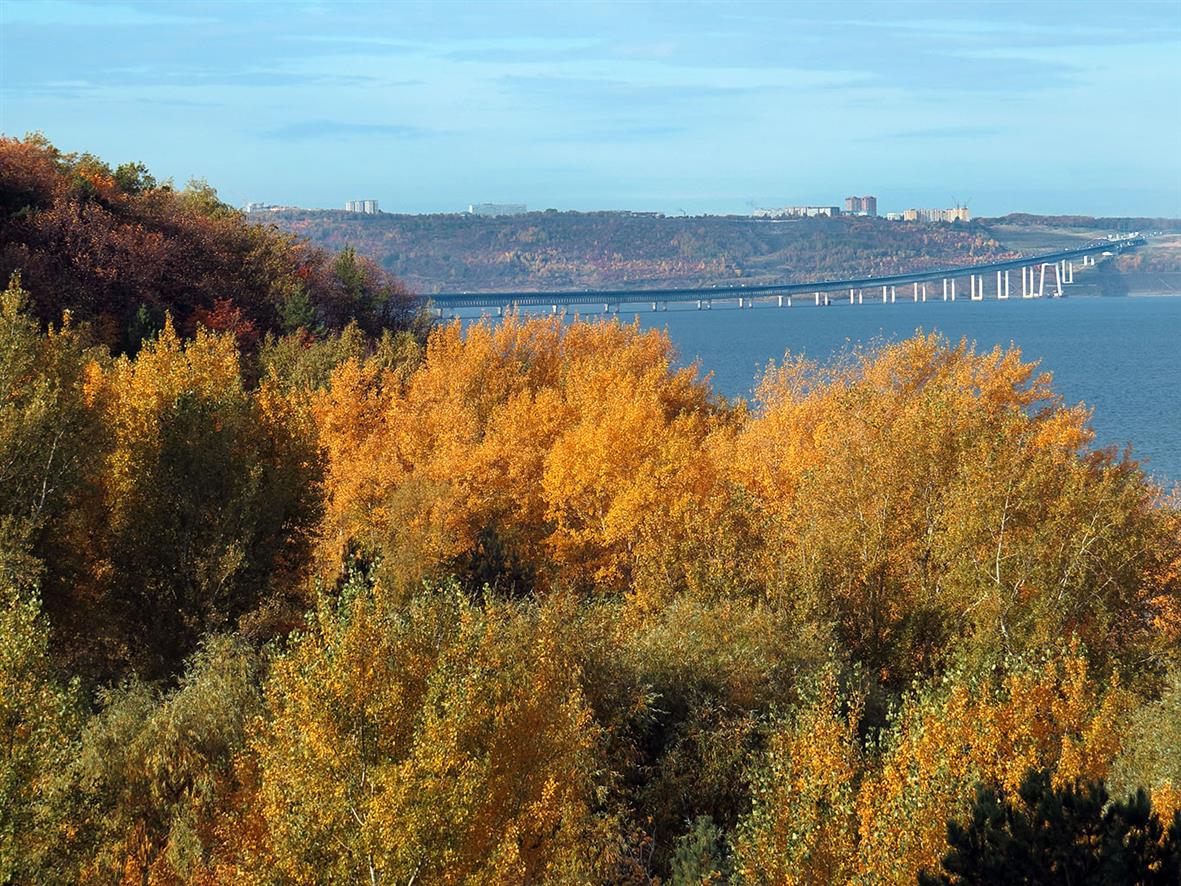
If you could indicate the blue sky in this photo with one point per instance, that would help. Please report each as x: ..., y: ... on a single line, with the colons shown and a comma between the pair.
x: 702, y: 107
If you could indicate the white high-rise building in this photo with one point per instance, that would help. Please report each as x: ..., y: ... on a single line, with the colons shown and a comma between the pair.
x: 369, y: 207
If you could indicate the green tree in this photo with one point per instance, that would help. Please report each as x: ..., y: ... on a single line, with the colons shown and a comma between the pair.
x: 39, y: 723
x: 1073, y: 834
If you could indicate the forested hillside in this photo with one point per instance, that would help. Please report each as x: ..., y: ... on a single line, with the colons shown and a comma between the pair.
x: 572, y: 250
x: 527, y: 603
x: 119, y: 250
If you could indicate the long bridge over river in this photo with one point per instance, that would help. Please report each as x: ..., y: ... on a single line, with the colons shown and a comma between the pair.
x: 1041, y: 276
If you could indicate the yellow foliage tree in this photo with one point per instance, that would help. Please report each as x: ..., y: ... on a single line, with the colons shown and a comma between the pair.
x: 949, y: 738
x: 564, y: 443
x: 203, y: 504
x: 434, y: 743
x: 922, y: 492
x: 803, y: 826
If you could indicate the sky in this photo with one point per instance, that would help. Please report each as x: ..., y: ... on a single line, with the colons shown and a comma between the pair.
x: 1049, y: 107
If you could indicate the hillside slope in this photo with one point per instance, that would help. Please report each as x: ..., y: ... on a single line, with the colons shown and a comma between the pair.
x: 560, y: 250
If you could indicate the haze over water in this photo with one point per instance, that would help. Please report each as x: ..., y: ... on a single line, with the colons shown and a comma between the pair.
x: 1120, y: 356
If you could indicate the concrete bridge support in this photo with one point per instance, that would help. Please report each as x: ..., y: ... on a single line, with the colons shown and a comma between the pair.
x: 953, y: 288
x: 916, y: 293
x: 1059, y: 274
x: 1070, y: 272
x: 945, y: 289
x: 893, y: 294
x: 883, y: 295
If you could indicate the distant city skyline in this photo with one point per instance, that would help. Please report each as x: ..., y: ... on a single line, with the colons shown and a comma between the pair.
x: 1042, y: 107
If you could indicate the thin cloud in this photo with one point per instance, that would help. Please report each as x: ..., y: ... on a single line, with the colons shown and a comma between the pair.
x: 311, y: 130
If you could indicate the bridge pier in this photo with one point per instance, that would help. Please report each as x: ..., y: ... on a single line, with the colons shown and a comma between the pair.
x: 924, y: 290
x: 893, y: 294
x: 1059, y: 273
x: 826, y: 299
x: 818, y: 297
x: 780, y: 301
x: 1070, y: 272
x: 916, y: 292
x: 953, y: 288
x: 1041, y: 283
x: 850, y: 296
x: 945, y: 289
x: 883, y: 295
x: 860, y: 296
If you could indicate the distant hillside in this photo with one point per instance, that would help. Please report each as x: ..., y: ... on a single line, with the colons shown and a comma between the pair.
x: 558, y: 250
x: 1089, y: 222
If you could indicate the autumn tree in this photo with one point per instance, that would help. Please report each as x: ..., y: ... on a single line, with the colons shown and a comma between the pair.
x: 434, y: 742
x: 922, y: 493
x: 572, y: 446
x: 154, y: 771
x: 205, y: 501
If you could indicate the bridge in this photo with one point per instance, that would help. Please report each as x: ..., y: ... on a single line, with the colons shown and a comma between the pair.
x: 1054, y: 270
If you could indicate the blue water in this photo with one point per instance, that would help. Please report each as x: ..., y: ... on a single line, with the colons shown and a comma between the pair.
x: 1120, y: 356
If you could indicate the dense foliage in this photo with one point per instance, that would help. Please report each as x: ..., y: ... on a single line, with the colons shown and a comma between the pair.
x: 576, y: 250
x: 528, y: 603
x: 120, y: 250
x: 1069, y: 834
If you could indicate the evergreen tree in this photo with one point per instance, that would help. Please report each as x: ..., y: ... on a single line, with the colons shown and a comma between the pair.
x: 1070, y: 834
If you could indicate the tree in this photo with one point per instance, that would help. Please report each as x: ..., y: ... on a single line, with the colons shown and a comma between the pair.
x: 40, y: 717
x: 204, y: 507
x: 802, y: 828
x: 1074, y: 833
x: 967, y: 728
x: 435, y: 742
